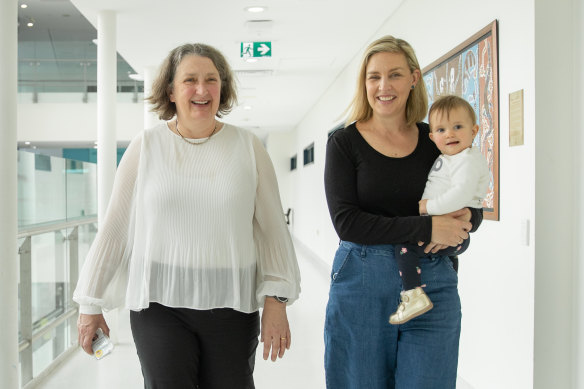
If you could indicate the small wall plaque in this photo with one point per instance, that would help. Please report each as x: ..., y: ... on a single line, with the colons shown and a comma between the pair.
x: 516, y: 118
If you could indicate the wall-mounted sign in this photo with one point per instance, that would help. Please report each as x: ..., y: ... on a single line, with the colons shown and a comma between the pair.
x: 256, y: 49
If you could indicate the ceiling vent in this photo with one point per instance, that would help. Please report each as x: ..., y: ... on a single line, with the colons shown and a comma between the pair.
x: 254, y: 72
x: 259, y: 24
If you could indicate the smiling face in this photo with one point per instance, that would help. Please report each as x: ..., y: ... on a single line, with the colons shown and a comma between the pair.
x: 452, y: 131
x: 388, y: 81
x: 196, y: 88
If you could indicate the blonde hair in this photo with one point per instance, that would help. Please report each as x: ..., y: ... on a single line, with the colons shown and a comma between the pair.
x: 448, y: 103
x: 417, y: 104
x: 162, y: 85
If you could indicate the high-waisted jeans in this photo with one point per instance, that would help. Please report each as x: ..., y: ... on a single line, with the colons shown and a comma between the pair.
x: 362, y: 350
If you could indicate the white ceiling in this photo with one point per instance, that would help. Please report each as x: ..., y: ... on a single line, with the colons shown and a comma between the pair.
x: 312, y: 41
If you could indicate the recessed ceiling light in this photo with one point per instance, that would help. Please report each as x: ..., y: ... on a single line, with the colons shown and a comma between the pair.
x: 26, y: 143
x: 256, y: 8
x: 30, y: 23
x: 136, y: 77
x: 23, y: 6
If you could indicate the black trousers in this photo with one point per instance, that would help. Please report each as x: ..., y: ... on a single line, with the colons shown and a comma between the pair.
x: 183, y: 348
x: 407, y: 256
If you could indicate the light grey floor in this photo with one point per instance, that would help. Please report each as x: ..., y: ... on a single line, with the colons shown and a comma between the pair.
x: 301, y: 367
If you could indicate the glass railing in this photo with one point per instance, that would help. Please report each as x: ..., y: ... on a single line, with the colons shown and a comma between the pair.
x: 70, y: 80
x: 57, y: 222
x: 52, y: 189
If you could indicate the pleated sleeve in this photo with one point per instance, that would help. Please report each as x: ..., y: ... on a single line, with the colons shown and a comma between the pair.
x: 103, y: 277
x: 277, y: 268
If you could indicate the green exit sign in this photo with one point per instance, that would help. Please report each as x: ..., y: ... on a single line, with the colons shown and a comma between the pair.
x: 256, y: 49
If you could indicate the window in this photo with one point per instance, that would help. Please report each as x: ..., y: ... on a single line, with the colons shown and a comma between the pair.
x: 293, y: 162
x: 42, y: 162
x: 337, y: 127
x: 309, y: 154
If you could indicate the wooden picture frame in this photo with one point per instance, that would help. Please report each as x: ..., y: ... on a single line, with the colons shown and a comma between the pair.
x: 470, y: 70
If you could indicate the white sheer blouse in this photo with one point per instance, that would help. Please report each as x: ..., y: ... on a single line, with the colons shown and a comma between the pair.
x: 192, y: 226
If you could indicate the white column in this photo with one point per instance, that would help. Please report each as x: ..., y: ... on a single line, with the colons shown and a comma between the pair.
x: 578, y: 107
x: 150, y: 118
x: 9, y: 377
x: 556, y: 208
x: 27, y: 188
x: 106, y: 122
x: 106, y: 108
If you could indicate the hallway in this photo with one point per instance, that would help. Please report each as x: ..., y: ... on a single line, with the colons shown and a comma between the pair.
x: 301, y: 367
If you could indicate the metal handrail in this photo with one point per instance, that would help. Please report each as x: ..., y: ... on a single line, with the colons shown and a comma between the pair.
x: 40, y: 333
x: 43, y: 228
x: 27, y: 328
x: 74, y: 81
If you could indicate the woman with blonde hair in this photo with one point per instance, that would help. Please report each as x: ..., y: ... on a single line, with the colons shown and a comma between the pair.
x: 375, y: 174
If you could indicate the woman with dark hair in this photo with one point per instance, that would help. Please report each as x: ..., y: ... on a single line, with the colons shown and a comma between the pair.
x: 194, y: 239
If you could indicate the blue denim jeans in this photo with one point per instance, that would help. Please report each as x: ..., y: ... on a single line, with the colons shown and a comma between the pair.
x: 362, y: 350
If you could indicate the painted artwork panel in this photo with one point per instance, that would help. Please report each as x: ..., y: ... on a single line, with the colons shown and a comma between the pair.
x: 470, y: 71
x: 487, y: 114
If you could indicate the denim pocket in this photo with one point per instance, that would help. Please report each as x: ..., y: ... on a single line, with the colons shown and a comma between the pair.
x: 341, y: 258
x: 443, y: 272
x: 450, y: 265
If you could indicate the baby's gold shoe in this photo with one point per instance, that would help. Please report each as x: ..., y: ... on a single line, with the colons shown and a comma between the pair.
x: 414, y: 303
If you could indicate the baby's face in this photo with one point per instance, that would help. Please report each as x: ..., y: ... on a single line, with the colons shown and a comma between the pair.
x: 452, y: 132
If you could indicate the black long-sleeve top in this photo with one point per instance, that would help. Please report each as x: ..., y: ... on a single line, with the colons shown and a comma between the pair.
x: 372, y: 198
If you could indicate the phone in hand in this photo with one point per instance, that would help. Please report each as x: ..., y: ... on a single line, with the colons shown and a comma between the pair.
x: 101, y: 344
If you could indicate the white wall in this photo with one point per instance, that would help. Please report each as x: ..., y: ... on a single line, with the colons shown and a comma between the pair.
x: 312, y: 224
x: 278, y: 148
x: 497, y: 273
x: 558, y: 195
x: 54, y: 122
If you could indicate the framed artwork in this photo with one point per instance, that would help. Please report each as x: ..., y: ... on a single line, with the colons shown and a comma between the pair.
x: 470, y: 70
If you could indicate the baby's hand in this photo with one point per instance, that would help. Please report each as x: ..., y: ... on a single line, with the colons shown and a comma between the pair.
x: 423, y: 210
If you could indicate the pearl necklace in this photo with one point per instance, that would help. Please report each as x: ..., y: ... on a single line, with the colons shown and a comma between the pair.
x: 196, y: 143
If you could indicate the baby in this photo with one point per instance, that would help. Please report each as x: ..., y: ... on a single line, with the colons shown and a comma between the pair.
x: 459, y: 178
